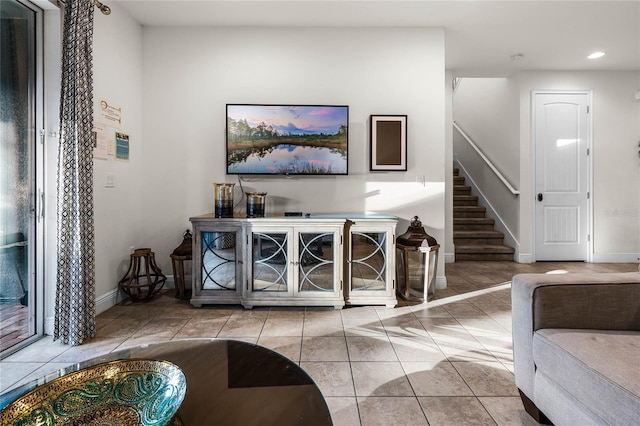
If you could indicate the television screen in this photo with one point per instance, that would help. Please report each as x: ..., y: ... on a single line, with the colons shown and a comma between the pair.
x: 287, y: 139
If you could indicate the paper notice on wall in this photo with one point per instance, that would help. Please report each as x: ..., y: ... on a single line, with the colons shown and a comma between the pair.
x: 110, y: 114
x: 122, y: 146
x: 100, y: 141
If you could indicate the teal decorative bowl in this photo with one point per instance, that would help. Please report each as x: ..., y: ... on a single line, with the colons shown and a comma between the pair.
x: 126, y: 392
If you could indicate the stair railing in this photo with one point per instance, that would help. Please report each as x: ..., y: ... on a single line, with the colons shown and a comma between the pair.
x: 487, y: 161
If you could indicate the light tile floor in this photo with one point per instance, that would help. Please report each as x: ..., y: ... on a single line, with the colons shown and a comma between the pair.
x: 446, y: 362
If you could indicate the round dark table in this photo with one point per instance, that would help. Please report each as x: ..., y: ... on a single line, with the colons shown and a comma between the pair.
x: 229, y: 382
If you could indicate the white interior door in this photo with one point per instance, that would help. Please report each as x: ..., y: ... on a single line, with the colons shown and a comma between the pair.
x: 562, y: 146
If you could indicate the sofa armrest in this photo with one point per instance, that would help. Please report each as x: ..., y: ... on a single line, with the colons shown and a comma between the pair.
x: 607, y: 301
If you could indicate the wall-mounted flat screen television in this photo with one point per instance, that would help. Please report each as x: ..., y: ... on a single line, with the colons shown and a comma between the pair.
x: 287, y: 139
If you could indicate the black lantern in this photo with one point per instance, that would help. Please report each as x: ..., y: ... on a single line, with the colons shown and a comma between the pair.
x: 416, y: 263
x: 179, y: 255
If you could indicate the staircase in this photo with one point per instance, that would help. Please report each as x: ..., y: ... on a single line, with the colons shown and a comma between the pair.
x: 473, y: 234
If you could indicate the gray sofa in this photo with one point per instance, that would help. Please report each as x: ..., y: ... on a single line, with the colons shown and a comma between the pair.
x: 576, y: 347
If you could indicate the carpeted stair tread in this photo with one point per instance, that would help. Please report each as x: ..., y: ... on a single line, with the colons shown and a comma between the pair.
x: 461, y: 190
x: 474, y: 226
x: 474, y: 234
x: 469, y: 208
x: 469, y: 211
x: 465, y: 200
x: 484, y: 257
x: 484, y: 249
x: 473, y: 221
x: 478, y: 234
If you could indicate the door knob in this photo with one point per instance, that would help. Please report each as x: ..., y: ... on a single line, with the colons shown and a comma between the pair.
x: 540, y: 196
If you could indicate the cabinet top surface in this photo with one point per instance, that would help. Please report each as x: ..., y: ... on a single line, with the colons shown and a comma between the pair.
x: 305, y: 217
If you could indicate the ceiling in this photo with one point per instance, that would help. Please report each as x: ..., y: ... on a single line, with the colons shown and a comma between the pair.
x: 480, y: 36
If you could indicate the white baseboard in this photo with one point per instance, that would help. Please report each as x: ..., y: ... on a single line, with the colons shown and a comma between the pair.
x: 441, y: 282
x: 103, y: 303
x: 615, y: 257
x: 595, y: 258
x: 525, y: 258
x: 114, y: 297
x: 449, y: 258
x: 108, y: 300
x: 49, y: 325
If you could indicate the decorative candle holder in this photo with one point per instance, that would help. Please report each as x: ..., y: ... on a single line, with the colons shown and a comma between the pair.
x: 255, y: 204
x: 224, y: 199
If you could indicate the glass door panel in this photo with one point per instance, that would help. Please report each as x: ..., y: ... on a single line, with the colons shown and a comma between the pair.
x: 368, y: 261
x: 18, y: 187
x: 316, y: 262
x: 270, y: 262
x: 219, y: 261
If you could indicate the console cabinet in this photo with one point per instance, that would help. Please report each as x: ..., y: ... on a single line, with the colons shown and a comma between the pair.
x: 295, y: 265
x: 218, y: 259
x: 326, y: 260
x: 371, y: 262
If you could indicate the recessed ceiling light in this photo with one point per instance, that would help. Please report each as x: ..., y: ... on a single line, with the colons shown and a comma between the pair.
x: 596, y: 55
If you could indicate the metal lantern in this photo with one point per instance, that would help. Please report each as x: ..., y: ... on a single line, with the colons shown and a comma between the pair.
x: 181, y: 254
x: 416, y: 263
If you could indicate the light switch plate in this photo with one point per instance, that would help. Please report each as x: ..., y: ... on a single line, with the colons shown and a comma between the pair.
x: 109, y: 180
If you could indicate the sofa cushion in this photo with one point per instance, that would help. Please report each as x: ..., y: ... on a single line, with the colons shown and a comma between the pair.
x: 560, y: 407
x: 599, y: 368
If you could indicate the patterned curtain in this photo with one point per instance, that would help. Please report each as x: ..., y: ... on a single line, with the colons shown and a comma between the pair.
x: 75, y: 290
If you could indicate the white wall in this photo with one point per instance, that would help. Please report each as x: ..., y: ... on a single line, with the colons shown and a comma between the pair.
x: 191, y: 73
x: 52, y: 78
x: 491, y: 110
x: 173, y: 87
x: 487, y: 110
x: 119, y: 214
x: 448, y: 247
x: 616, y: 164
x: 117, y: 78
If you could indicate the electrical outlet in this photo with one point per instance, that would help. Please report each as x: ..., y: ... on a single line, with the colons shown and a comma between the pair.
x: 132, y: 249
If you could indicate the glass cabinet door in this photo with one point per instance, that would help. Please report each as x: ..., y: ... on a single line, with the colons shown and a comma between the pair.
x: 270, y: 254
x: 368, y: 261
x: 316, y: 263
x: 219, y: 260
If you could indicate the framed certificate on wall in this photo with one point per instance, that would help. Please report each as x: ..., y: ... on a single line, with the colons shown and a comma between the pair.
x: 388, y: 142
